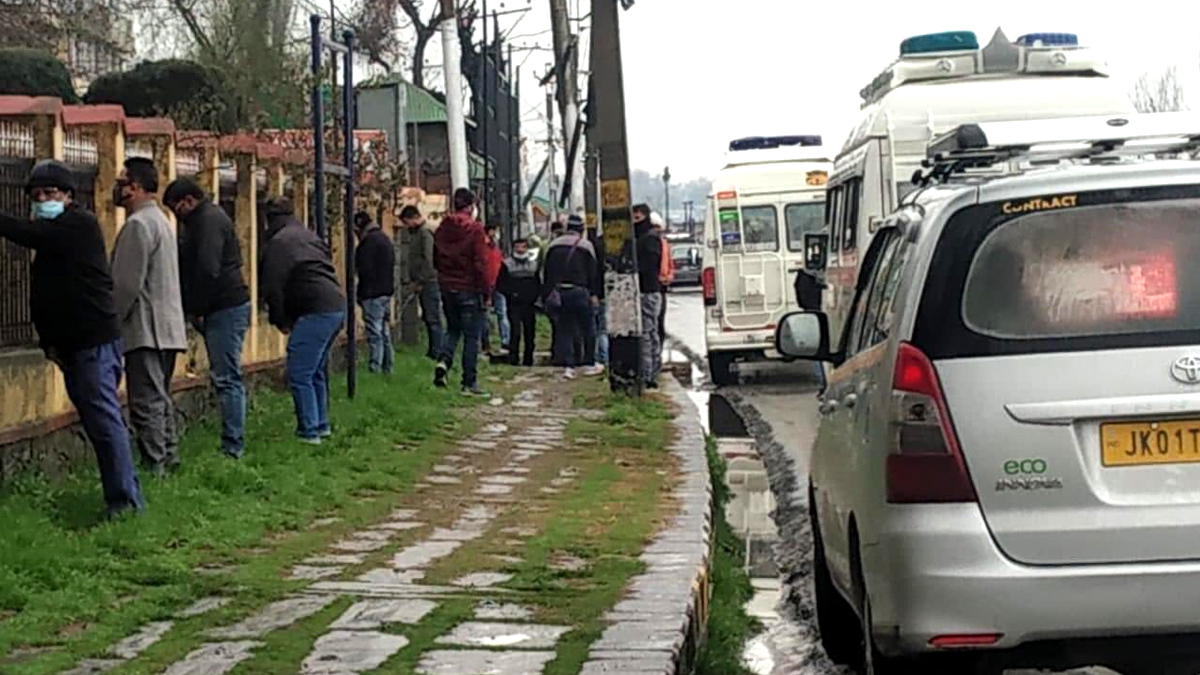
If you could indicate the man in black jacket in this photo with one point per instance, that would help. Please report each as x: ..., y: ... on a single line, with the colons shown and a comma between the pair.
x: 571, y: 288
x: 304, y: 301
x: 215, y: 299
x: 71, y: 300
x: 375, y: 259
x: 649, y: 258
x: 520, y: 285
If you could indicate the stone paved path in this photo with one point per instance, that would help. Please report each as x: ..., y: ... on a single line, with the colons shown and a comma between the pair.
x: 396, y: 574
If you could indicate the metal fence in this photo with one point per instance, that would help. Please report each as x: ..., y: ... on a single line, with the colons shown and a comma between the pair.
x: 16, y: 324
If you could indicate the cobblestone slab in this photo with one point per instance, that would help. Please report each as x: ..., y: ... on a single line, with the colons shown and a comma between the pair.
x: 484, y: 663
x: 214, y: 659
x: 374, y: 614
x: 135, y: 644
x: 203, y: 606
x: 648, y: 629
x: 313, y: 572
x: 93, y: 667
x: 275, y: 615
x: 504, y: 635
x: 348, y: 652
x: 490, y: 611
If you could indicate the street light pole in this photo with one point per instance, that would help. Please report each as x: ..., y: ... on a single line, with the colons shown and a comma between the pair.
x: 456, y: 125
x: 667, y: 199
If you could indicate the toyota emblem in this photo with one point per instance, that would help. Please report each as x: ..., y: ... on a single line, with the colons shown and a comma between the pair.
x: 1186, y: 370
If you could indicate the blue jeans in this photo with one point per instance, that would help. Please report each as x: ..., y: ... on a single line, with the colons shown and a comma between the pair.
x: 431, y: 314
x: 576, y: 335
x: 224, y: 336
x: 500, y: 308
x: 377, y: 314
x: 92, y: 376
x: 601, y: 313
x: 464, y: 319
x: 308, y: 349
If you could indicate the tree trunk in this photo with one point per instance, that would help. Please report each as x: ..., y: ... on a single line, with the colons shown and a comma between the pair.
x: 423, y: 38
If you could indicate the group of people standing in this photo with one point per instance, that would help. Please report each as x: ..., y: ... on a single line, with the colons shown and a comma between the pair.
x: 458, y: 271
x: 100, y: 318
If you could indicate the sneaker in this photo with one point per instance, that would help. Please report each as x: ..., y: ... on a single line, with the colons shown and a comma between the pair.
x: 316, y: 440
x: 475, y: 392
x: 569, y: 374
x: 652, y: 385
x: 325, y: 433
x: 439, y: 375
x: 593, y: 371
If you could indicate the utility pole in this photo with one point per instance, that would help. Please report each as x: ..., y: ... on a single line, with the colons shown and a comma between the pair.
x: 667, y: 199
x: 456, y: 125
x: 566, y: 61
x: 553, y: 159
x: 607, y: 126
x: 485, y: 119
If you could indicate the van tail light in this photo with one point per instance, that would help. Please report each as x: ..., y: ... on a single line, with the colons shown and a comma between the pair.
x: 708, y: 279
x: 926, y: 464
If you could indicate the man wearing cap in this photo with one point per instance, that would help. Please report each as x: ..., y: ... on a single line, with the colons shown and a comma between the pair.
x: 71, y: 300
x: 649, y: 258
x: 305, y: 302
x: 145, y: 271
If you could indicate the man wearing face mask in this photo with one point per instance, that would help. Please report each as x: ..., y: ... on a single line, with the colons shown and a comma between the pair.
x: 145, y: 267
x: 519, y: 283
x: 71, y: 300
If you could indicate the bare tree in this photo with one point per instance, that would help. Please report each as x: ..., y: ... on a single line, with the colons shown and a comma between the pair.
x: 1159, y: 93
x: 380, y: 25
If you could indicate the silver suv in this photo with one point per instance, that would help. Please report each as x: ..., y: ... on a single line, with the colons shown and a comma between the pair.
x: 1007, y: 470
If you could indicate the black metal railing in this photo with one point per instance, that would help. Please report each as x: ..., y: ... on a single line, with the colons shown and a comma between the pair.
x: 16, y: 324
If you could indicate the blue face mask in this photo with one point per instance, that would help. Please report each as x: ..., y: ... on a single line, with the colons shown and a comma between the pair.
x: 48, y: 210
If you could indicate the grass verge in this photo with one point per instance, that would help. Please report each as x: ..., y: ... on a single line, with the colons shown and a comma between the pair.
x: 729, y: 627
x: 70, y: 585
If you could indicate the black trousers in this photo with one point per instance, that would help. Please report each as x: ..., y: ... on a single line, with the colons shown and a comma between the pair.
x: 523, y: 318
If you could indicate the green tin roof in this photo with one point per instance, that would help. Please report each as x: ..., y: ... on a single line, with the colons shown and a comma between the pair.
x: 421, y: 106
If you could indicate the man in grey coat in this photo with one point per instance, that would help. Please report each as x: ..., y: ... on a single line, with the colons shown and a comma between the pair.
x: 150, y: 310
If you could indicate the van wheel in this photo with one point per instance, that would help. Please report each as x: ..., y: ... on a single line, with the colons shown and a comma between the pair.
x: 719, y: 369
x: 835, y: 617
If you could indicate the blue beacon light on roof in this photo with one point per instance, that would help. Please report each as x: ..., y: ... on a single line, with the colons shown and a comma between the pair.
x: 1048, y: 40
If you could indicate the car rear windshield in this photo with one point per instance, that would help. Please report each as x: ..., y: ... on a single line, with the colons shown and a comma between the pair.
x: 1065, y: 273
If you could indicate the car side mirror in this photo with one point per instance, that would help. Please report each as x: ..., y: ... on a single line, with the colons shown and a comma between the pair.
x: 816, y: 252
x: 804, y: 335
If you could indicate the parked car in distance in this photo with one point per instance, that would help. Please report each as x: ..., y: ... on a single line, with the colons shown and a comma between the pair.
x: 689, y: 260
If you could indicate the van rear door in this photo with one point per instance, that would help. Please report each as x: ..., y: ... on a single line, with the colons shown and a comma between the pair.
x: 751, y: 269
x: 1066, y: 332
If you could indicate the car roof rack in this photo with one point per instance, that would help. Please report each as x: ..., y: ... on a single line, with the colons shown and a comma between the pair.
x: 1000, y: 145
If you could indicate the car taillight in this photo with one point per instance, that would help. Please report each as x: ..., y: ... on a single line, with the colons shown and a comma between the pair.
x: 926, y: 464
x: 708, y: 278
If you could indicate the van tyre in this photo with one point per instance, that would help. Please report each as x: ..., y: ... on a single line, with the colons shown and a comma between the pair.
x: 720, y: 369
x: 835, y: 617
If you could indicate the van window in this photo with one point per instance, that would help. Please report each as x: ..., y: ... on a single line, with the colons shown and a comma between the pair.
x: 760, y: 225
x: 850, y: 214
x: 1088, y: 271
x: 832, y: 221
x: 802, y: 219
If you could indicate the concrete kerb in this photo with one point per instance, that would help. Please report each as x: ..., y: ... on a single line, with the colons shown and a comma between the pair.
x: 661, y: 625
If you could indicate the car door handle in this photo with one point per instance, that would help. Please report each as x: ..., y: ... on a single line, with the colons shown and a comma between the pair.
x: 850, y: 401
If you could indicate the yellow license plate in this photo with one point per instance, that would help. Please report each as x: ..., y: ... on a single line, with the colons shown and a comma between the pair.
x: 1146, y: 443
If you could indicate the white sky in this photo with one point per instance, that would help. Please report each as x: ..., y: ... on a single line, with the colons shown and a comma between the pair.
x: 699, y: 73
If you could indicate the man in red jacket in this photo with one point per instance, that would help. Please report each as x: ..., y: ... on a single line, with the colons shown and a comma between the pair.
x: 463, y: 260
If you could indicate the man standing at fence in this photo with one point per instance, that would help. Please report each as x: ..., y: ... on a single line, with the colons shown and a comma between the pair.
x: 215, y: 299
x: 305, y: 302
x: 463, y: 260
x: 375, y: 260
x: 145, y: 268
x: 71, y: 302
x: 421, y: 278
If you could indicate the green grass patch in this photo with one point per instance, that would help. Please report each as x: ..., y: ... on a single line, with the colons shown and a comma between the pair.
x: 71, y: 581
x: 729, y: 627
x: 422, y: 637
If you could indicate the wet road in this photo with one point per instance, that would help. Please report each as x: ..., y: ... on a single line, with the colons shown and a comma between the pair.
x: 779, y: 407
